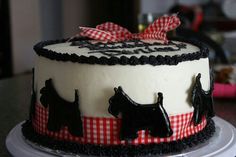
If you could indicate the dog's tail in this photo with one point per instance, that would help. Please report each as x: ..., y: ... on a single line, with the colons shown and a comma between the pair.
x: 76, y: 96
x: 160, y: 98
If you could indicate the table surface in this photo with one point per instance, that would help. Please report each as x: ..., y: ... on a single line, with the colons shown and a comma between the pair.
x: 15, y: 100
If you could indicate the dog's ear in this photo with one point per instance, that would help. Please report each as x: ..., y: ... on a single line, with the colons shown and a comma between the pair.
x: 198, y: 77
x: 116, y: 90
x: 120, y: 89
x: 159, y: 94
x: 48, y: 82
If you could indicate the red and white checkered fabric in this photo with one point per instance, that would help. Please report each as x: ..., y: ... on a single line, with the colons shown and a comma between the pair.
x: 112, y: 32
x: 105, y: 131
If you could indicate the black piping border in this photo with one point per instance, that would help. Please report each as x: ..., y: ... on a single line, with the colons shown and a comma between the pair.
x: 123, y: 60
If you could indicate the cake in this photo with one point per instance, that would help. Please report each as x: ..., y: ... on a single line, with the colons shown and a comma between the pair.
x: 129, y: 97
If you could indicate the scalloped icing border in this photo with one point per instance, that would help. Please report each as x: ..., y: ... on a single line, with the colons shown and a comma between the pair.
x: 123, y: 60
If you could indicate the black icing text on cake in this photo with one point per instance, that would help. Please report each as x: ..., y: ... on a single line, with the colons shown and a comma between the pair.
x: 121, y: 48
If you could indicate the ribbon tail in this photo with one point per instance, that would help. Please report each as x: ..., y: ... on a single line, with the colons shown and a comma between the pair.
x: 155, y: 35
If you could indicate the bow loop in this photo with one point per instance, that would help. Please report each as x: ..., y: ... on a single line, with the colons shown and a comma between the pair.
x: 116, y: 30
x: 112, y: 27
x: 159, y: 28
x: 164, y: 23
x: 112, y: 32
x: 97, y: 34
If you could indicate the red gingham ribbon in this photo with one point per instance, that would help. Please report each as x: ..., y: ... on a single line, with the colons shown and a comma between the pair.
x: 112, y: 32
x: 100, y: 130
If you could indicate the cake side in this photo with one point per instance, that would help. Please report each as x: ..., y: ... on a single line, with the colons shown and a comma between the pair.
x: 95, y: 83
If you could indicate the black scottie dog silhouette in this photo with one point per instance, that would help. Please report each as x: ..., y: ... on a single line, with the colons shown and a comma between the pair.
x: 202, y: 101
x: 61, y: 112
x: 137, y: 117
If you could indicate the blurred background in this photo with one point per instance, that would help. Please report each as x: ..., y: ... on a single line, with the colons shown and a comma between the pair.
x: 23, y: 23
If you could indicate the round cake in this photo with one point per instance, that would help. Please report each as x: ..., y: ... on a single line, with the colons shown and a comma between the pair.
x: 133, y: 97
x: 114, y: 93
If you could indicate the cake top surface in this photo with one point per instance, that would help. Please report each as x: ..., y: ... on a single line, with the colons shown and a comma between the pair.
x: 131, y: 48
x: 132, y: 52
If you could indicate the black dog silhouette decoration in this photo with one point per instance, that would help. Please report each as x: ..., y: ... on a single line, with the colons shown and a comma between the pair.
x: 202, y: 101
x: 135, y: 117
x: 61, y: 112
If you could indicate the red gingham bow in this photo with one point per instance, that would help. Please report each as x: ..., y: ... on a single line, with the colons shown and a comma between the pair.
x: 112, y: 32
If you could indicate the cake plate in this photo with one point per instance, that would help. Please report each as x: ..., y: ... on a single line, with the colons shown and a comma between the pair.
x: 223, y: 143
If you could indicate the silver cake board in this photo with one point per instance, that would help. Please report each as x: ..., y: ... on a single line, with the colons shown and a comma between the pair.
x: 223, y: 143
